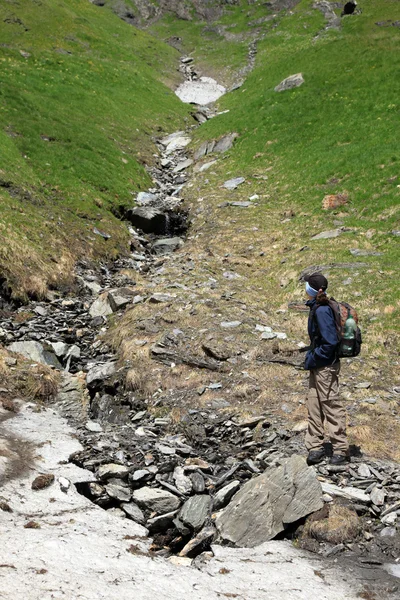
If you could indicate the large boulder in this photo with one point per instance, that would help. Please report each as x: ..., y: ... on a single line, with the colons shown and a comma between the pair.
x: 36, y: 352
x: 268, y: 504
x: 148, y: 219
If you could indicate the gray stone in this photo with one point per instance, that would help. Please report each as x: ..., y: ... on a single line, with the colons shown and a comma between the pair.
x: 198, y: 483
x: 195, y: 511
x: 167, y: 245
x: 118, y: 492
x: 267, y: 504
x: 100, y: 372
x: 225, y: 143
x: 201, y: 151
x: 326, y: 235
x: 159, y: 501
x: 364, y: 385
x: 101, y: 307
x: 60, y: 348
x: 230, y: 324
x: 240, y: 204
x: 178, y: 143
x: 358, y: 252
x: 388, y: 532
x: 206, y: 166
x: 148, y: 219
x: 364, y: 471
x: 119, y: 299
x: 145, y: 198
x: 184, y: 164
x: 232, y: 184
x: 396, y: 232
x: 182, y: 483
x: 290, y: 82
x: 377, y: 496
x: 112, y: 470
x: 134, y: 512
x: 350, y: 493
x: 93, y: 427
x: 35, y: 352
x: 158, y: 298
x: 224, y: 495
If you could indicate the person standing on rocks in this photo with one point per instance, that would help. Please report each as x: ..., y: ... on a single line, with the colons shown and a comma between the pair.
x: 323, y: 402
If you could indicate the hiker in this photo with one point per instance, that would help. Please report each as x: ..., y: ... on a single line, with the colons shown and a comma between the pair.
x: 323, y: 402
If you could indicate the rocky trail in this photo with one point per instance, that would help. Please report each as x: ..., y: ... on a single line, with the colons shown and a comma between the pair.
x: 105, y: 490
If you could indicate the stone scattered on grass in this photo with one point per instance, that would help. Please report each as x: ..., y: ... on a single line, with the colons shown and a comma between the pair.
x: 290, y: 82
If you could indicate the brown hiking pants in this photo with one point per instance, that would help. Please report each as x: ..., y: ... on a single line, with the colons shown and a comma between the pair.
x: 324, y: 405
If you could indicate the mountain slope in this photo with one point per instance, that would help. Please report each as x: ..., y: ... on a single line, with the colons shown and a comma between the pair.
x: 81, y: 95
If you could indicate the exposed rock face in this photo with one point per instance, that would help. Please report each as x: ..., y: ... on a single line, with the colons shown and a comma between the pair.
x: 266, y: 505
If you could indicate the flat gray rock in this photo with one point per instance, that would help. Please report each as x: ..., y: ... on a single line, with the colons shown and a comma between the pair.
x: 358, y: 252
x: 156, y: 500
x: 101, y: 307
x: 35, y: 352
x: 267, y: 504
x: 224, y: 495
x: 225, y: 143
x: 100, y: 372
x: 167, y: 245
x: 184, y: 164
x: 350, y: 493
x: 112, y: 471
x: 290, y: 82
x: 195, y: 511
x: 326, y: 235
x: 118, y: 492
x: 232, y: 184
x: 133, y: 512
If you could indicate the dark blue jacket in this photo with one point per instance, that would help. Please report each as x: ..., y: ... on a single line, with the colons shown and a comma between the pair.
x: 323, y: 336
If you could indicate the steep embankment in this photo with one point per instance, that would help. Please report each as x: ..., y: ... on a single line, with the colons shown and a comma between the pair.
x: 81, y: 95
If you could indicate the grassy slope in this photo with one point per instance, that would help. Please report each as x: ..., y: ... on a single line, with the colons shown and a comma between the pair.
x: 337, y: 132
x: 76, y: 117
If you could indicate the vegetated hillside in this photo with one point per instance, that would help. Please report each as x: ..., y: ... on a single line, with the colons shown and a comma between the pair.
x: 337, y: 133
x: 240, y: 267
x: 81, y: 94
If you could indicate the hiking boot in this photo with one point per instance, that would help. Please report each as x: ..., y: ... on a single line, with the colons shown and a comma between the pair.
x: 315, y: 456
x: 339, y: 459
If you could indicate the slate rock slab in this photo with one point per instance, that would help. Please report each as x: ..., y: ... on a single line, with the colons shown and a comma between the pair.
x: 326, y: 235
x: 290, y: 82
x: 35, y: 351
x: 267, y: 504
x: 156, y: 500
x: 232, y: 184
x: 195, y: 511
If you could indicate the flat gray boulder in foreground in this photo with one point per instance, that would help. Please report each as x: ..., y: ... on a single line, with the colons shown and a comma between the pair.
x: 267, y: 504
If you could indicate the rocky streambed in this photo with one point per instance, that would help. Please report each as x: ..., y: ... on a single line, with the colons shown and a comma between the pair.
x: 210, y: 476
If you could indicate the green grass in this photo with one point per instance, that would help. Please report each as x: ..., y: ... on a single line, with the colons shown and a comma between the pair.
x: 81, y: 94
x: 339, y: 131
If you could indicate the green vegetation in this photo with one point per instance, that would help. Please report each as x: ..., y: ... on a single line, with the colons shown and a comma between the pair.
x: 81, y: 94
x: 336, y: 133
